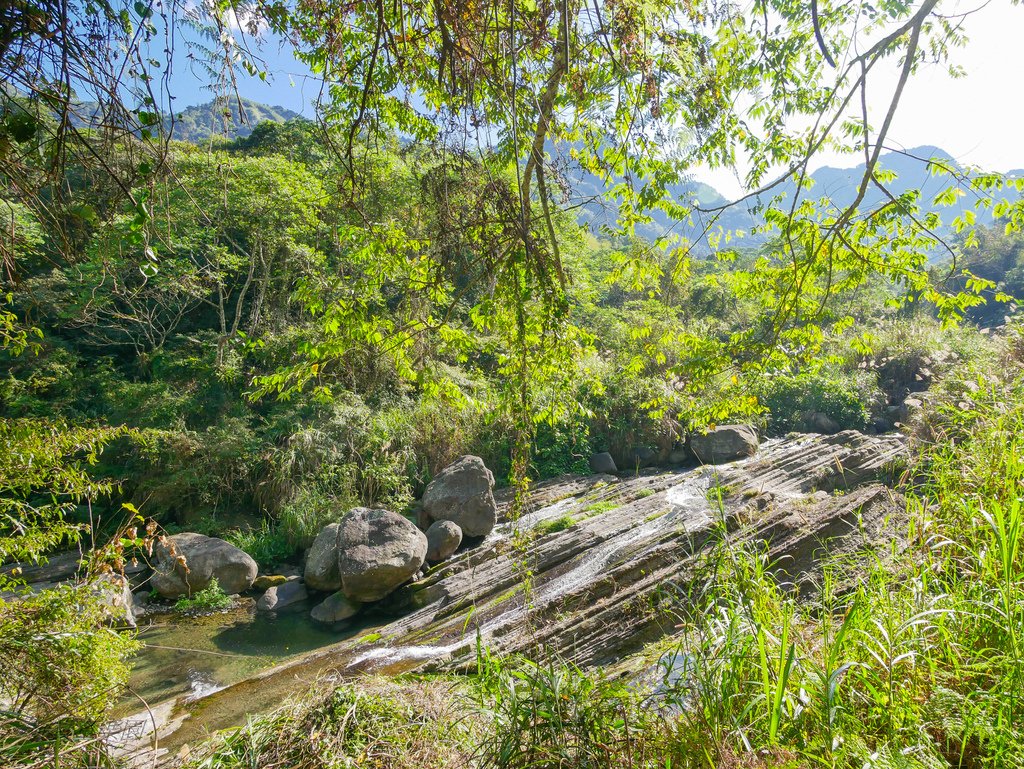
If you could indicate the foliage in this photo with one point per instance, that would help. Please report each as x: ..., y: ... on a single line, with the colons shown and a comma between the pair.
x: 267, y: 545
x: 65, y: 669
x: 555, y: 716
x: 792, y: 400
x: 42, y: 477
x: 372, y: 724
x: 210, y: 598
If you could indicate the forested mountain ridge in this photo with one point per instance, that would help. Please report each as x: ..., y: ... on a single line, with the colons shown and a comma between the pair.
x: 224, y: 118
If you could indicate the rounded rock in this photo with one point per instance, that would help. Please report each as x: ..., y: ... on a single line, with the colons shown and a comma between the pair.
x: 377, y: 551
x: 205, y: 559
x: 463, y: 493
x: 443, y: 539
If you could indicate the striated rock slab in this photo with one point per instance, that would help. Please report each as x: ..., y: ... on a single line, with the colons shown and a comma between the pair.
x: 620, y: 548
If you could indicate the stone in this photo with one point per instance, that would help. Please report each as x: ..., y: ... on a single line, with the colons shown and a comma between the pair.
x: 281, y: 595
x: 679, y: 457
x: 53, y: 568
x: 443, y: 539
x: 462, y: 493
x: 724, y: 444
x: 321, y: 572
x: 378, y: 550
x: 205, y: 559
x: 820, y: 422
x: 641, y: 457
x: 267, y: 581
x: 335, y: 608
x: 603, y: 463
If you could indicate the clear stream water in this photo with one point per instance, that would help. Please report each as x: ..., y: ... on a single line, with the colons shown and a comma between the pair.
x: 194, y: 656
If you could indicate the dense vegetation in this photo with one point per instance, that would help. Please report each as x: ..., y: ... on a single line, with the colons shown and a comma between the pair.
x: 250, y: 336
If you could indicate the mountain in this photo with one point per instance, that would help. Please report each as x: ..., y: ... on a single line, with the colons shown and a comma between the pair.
x: 839, y: 185
x: 230, y: 119
x: 226, y: 118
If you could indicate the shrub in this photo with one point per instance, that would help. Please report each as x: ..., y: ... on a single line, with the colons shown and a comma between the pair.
x: 63, y: 670
x: 375, y: 724
x: 210, y: 598
x: 557, y: 716
x: 790, y: 399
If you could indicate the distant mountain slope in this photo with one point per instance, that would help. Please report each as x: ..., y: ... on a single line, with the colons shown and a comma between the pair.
x: 231, y: 118
x: 839, y: 185
x: 199, y: 123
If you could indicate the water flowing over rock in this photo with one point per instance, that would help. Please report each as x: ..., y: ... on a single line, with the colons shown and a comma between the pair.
x: 377, y: 551
x: 206, y: 558
x: 598, y: 584
x: 724, y: 444
x: 463, y: 493
x: 282, y: 595
x: 443, y: 539
x: 321, y: 571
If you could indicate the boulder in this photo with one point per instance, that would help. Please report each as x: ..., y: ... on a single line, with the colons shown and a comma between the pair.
x: 463, y: 493
x: 679, y: 456
x: 335, y: 608
x: 443, y: 539
x: 267, y: 581
x: 724, y: 443
x: 321, y: 571
x: 284, y: 594
x: 820, y: 422
x: 641, y: 457
x: 188, y: 561
x: 603, y: 463
x: 377, y: 551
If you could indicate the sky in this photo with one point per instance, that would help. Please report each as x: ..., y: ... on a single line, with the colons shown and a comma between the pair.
x: 979, y: 119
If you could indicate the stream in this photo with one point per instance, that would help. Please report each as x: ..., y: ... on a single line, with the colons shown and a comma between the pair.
x: 194, y: 656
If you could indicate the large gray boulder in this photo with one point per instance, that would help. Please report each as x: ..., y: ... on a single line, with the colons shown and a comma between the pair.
x: 321, y: 572
x: 377, y: 551
x: 187, y: 563
x: 279, y: 596
x: 724, y: 444
x: 603, y: 463
x: 463, y: 493
x: 443, y: 539
x: 334, y: 608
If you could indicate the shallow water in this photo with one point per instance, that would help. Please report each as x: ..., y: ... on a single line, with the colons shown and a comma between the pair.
x: 194, y: 656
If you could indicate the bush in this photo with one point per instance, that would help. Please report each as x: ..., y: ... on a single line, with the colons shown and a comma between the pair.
x: 63, y: 671
x: 791, y: 399
x: 555, y: 716
x: 211, y: 598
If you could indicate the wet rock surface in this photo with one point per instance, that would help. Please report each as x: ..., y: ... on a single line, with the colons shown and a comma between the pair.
x: 279, y: 596
x: 597, y: 580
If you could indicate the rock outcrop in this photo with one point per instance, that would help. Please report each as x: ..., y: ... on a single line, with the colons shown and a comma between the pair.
x: 377, y: 551
x: 443, y: 539
x: 462, y: 493
x: 188, y: 562
x: 597, y: 584
x: 724, y: 443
